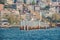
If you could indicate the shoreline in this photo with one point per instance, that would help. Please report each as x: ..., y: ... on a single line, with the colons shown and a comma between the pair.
x: 8, y: 26
x: 27, y: 27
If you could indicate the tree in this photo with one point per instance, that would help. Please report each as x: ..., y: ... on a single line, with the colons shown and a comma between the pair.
x: 47, y: 7
x: 50, y: 21
x: 33, y: 2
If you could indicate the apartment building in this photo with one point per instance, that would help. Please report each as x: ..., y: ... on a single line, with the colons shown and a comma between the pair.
x: 10, y: 1
x: 56, y: 4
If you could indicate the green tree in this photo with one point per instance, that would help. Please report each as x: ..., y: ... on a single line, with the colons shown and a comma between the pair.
x: 33, y: 2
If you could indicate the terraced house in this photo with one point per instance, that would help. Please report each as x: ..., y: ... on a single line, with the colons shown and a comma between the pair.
x: 30, y: 10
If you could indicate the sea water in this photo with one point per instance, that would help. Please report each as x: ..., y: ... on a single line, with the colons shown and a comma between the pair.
x: 40, y: 34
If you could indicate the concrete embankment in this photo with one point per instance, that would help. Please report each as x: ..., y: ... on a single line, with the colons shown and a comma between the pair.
x: 32, y: 27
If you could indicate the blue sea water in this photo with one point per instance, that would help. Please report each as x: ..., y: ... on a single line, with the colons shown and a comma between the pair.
x: 41, y: 34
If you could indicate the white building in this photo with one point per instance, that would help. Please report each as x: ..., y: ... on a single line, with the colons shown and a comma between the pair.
x: 9, y: 1
x: 20, y: 1
x: 56, y: 4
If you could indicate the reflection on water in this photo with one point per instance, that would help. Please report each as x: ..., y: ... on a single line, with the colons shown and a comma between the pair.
x: 17, y: 34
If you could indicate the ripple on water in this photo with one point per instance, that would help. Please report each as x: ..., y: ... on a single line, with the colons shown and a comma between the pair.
x: 17, y: 34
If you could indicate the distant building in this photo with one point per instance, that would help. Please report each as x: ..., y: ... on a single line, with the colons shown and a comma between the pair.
x: 28, y: 1
x: 37, y: 8
x: 56, y: 4
x: 9, y: 1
